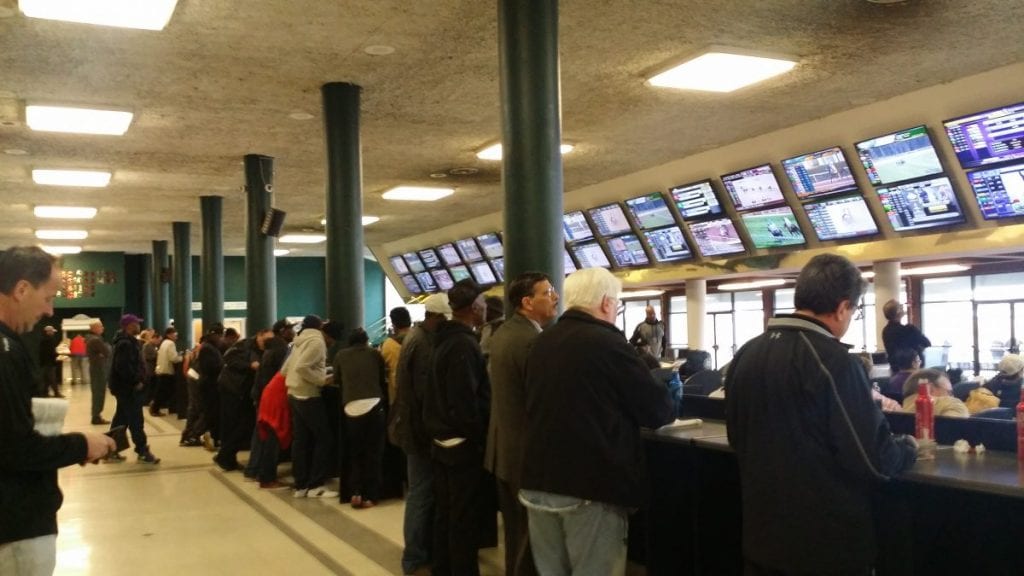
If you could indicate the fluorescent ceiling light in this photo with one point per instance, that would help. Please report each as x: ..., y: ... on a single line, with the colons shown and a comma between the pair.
x: 721, y: 72
x: 924, y: 270
x: 65, y: 212
x: 302, y: 238
x: 493, y: 152
x: 753, y: 284
x: 58, y: 250
x: 62, y: 234
x: 77, y: 120
x: 367, y: 220
x: 641, y: 294
x: 417, y: 193
x: 83, y: 178
x: 281, y: 251
x: 145, y: 15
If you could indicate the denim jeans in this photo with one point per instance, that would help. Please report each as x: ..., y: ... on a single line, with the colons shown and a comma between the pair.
x: 419, y: 513
x: 29, y: 557
x: 129, y: 413
x: 571, y: 536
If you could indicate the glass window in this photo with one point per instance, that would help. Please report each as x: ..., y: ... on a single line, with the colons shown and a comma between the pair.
x: 950, y: 324
x: 998, y: 287
x: 784, y: 300
x: 946, y: 289
x: 749, y: 324
x: 635, y: 313
x: 748, y: 300
x: 678, y: 334
x: 718, y: 302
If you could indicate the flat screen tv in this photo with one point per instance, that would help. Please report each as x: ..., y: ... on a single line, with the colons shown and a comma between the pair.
x: 575, y: 227
x: 717, y: 238
x: 415, y: 264
x: 591, y: 255
x: 398, y: 265
x: 753, y: 188
x: 900, y: 156
x: 429, y: 258
x: 443, y: 279
x: 411, y: 284
x: 920, y: 205
x: 448, y: 254
x: 627, y: 251
x: 651, y: 211
x: 988, y: 137
x: 491, y: 245
x: 499, y: 268
x: 468, y: 249
x: 610, y: 220
x: 459, y: 272
x: 668, y: 244
x: 819, y: 173
x: 773, y: 228
x: 427, y: 281
x: 482, y: 273
x: 568, y: 265
x: 696, y: 201
x: 999, y: 191
x: 838, y: 218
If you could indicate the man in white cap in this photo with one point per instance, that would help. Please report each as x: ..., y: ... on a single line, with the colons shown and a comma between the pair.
x: 1006, y: 385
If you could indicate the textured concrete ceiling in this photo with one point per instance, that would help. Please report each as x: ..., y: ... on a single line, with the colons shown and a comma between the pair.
x: 221, y: 80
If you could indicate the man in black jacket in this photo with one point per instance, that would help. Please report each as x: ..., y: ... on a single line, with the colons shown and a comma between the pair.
x: 127, y: 384
x: 811, y: 444
x: 897, y: 336
x: 234, y: 385
x: 275, y: 350
x: 29, y: 494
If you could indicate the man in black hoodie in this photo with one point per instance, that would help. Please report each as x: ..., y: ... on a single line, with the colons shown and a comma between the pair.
x: 127, y: 384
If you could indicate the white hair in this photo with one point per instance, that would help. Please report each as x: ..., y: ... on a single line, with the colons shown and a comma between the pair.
x: 586, y: 288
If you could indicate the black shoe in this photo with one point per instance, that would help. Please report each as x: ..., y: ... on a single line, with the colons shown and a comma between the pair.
x: 191, y: 442
x: 227, y: 467
x: 97, y: 421
x: 148, y: 458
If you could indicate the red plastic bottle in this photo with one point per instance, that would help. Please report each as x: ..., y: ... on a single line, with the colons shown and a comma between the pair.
x: 1020, y: 426
x: 924, y: 422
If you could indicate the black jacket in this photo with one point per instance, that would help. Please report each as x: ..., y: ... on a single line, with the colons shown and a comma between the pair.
x: 237, y: 376
x: 275, y: 350
x: 811, y: 445
x: 29, y: 495
x: 48, y: 350
x: 587, y: 395
x: 210, y: 362
x: 896, y: 336
x: 126, y: 367
x: 457, y: 403
x: 413, y: 376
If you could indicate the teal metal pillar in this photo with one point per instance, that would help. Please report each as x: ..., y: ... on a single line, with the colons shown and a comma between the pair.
x: 161, y: 290
x: 146, y: 288
x: 531, y: 137
x: 260, y: 266
x: 344, y: 204
x: 183, y: 283
x: 213, y: 261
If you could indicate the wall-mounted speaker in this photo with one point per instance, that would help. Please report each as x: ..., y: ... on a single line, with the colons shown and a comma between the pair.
x: 273, y: 221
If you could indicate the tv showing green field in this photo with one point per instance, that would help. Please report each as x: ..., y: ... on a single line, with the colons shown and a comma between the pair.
x: 900, y: 156
x: 773, y: 228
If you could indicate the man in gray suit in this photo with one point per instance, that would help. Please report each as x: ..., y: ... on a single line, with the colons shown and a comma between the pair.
x: 536, y: 304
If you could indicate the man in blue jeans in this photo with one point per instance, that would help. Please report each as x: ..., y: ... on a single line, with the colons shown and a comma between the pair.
x: 127, y: 384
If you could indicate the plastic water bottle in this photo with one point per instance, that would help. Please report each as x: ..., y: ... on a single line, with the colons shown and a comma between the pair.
x: 924, y: 423
x: 1020, y: 426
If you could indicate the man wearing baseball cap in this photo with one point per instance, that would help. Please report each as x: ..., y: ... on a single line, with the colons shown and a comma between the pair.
x: 127, y: 384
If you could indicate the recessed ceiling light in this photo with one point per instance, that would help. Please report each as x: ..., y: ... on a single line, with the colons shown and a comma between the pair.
x: 379, y: 50
x: 62, y: 234
x: 59, y: 250
x: 721, y: 72
x: 417, y: 193
x: 77, y: 120
x: 281, y: 251
x: 924, y: 270
x: 149, y: 15
x: 493, y: 152
x: 302, y: 239
x: 300, y: 115
x: 83, y: 178
x: 752, y: 285
x: 367, y: 220
x: 67, y: 212
x: 15, y: 152
x: 438, y: 175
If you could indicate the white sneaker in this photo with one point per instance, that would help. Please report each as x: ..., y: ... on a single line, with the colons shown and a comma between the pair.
x: 322, y: 492
x: 301, y: 493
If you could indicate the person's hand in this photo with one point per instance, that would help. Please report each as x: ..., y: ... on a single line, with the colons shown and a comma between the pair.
x: 255, y: 365
x: 98, y: 446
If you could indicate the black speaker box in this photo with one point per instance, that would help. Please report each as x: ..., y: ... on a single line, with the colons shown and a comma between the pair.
x: 273, y: 221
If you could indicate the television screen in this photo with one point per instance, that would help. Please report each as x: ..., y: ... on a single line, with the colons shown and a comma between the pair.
x: 448, y: 254
x: 398, y: 265
x: 427, y: 281
x: 988, y: 137
x: 568, y: 264
x: 468, y: 249
x: 459, y: 272
x: 443, y: 279
x: 610, y: 220
x: 921, y: 204
x: 429, y: 258
x: 491, y: 245
x: 817, y: 173
x: 1000, y: 191
x: 753, y: 188
x: 899, y: 156
x: 651, y: 211
x: 411, y: 284
x: 668, y: 244
x: 627, y: 251
x: 591, y: 255
x: 717, y: 237
x: 576, y: 227
x: 696, y: 201
x: 499, y: 268
x: 773, y: 228
x: 415, y: 264
x: 482, y: 273
x: 846, y: 217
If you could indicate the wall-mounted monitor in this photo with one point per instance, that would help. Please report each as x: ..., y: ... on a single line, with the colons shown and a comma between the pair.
x: 838, y: 218
x: 819, y: 173
x: 717, y: 238
x: 491, y: 245
x: 900, y: 156
x: 398, y: 265
x: 468, y: 249
x: 459, y: 272
x: 568, y: 265
x: 999, y: 191
x: 426, y: 281
x: 499, y: 268
x: 411, y: 284
x: 988, y: 137
x: 627, y: 251
x: 773, y: 228
x: 753, y: 188
x: 575, y: 227
x: 651, y: 211
x: 610, y: 220
x: 448, y: 254
x: 668, y: 244
x: 415, y: 264
x: 443, y: 279
x: 430, y: 258
x: 696, y: 201
x: 591, y: 255
x: 482, y: 273
x: 921, y: 205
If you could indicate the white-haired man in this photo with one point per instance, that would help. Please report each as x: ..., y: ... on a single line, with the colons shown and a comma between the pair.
x: 583, y: 471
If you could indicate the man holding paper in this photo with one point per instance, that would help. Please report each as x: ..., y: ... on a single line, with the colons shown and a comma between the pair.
x: 29, y: 495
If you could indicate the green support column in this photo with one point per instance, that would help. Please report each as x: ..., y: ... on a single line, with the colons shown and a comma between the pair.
x: 260, y: 266
x: 531, y: 137
x: 146, y: 288
x: 344, y: 204
x: 161, y: 289
x: 183, y: 283
x: 213, y: 261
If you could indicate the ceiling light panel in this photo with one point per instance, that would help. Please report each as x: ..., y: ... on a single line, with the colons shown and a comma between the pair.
x: 721, y: 72
x: 65, y: 212
x: 302, y: 239
x: 417, y: 193
x: 493, y: 152
x: 81, y: 178
x: 77, y: 120
x: 60, y: 250
x: 147, y: 15
x: 367, y: 220
x: 62, y: 234
x: 281, y: 251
